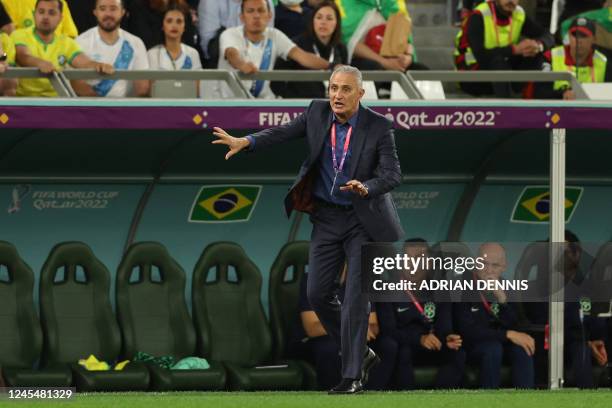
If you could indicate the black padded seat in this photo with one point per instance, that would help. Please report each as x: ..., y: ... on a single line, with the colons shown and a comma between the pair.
x: 154, y: 318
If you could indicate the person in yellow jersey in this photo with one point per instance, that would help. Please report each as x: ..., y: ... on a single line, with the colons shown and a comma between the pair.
x: 579, y: 57
x: 21, y: 13
x: 499, y: 36
x: 42, y: 48
x: 7, y: 58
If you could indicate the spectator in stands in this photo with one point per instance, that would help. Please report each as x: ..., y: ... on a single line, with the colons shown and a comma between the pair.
x: 491, y: 40
x: 145, y: 20
x: 6, y: 25
x: 310, y: 341
x: 579, y: 58
x: 363, y: 34
x: 42, y: 48
x: 21, y: 12
x: 254, y: 47
x: 602, y: 17
x: 323, y: 38
x: 108, y: 43
x: 487, y: 323
x: 423, y: 328
x: 81, y: 14
x: 7, y: 58
x: 215, y: 17
x: 172, y: 54
x: 292, y: 17
x: 584, y: 334
x: 353, y: 11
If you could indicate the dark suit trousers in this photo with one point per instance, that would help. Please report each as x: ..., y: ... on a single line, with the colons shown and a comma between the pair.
x: 337, y: 235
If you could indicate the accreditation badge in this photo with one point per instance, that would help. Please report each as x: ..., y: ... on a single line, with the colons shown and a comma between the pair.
x: 429, y: 310
x: 585, y: 305
x: 495, y: 309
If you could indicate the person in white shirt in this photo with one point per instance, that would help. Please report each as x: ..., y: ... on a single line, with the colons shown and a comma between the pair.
x: 217, y: 15
x: 110, y: 44
x: 173, y: 55
x: 254, y: 47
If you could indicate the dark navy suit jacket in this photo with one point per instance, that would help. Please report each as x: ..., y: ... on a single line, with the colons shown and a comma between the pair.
x: 374, y: 162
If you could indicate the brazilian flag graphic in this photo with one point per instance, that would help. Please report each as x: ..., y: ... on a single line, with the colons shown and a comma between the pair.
x: 217, y: 203
x: 533, y: 205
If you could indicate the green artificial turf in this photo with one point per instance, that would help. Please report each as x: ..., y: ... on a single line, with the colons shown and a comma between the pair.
x: 420, y: 399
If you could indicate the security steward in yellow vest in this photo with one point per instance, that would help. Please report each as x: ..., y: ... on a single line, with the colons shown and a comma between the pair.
x: 579, y: 58
x: 499, y: 36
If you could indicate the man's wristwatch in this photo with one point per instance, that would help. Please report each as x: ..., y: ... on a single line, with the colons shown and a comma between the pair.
x: 3, y: 57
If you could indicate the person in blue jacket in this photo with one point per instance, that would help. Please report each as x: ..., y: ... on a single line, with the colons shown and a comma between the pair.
x: 422, y: 326
x: 487, y: 323
x: 584, y: 333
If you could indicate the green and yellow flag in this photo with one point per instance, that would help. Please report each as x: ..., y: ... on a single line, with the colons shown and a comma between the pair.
x: 533, y: 205
x: 229, y: 203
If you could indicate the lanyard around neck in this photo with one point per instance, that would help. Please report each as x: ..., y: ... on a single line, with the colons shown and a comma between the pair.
x: 347, y: 140
x: 172, y: 60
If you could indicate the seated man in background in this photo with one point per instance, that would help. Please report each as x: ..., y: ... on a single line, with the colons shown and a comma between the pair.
x: 487, y: 323
x: 584, y: 334
x: 309, y: 341
x: 7, y: 58
x: 42, y: 48
x: 255, y: 47
x: 423, y: 329
x: 109, y: 44
x: 499, y: 36
x: 215, y: 16
x: 579, y: 57
x: 21, y: 13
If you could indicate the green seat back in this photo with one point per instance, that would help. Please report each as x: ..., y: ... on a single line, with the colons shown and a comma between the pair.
x: 285, y: 277
x: 20, y: 334
x: 75, y: 309
x: 229, y: 317
x: 151, y: 303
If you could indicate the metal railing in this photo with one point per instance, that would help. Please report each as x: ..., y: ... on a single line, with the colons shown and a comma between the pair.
x: 499, y: 76
x: 55, y: 78
x: 407, y: 81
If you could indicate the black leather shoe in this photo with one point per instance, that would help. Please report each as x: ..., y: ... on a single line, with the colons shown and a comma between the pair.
x: 369, y: 361
x: 347, y: 386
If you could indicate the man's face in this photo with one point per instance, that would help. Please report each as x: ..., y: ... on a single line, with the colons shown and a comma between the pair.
x: 109, y: 14
x: 344, y: 94
x: 507, y: 6
x: 47, y: 16
x: 417, y: 250
x: 255, y: 16
x: 581, y: 45
x: 494, y: 262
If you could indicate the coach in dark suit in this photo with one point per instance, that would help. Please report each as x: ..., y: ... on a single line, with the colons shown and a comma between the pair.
x: 345, y: 184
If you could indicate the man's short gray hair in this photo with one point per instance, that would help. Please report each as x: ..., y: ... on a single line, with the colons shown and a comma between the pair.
x: 347, y: 69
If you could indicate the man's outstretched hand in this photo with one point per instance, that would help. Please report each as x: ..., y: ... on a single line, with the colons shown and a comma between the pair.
x: 235, y: 144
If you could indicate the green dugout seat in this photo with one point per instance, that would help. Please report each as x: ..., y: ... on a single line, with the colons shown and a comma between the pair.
x: 284, y: 293
x: 231, y: 324
x: 154, y: 318
x: 78, y: 320
x: 20, y: 332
